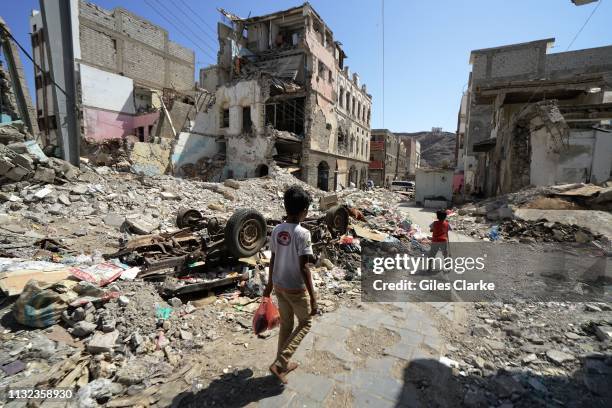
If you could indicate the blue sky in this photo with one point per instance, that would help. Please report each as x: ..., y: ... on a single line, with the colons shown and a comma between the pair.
x: 427, y: 43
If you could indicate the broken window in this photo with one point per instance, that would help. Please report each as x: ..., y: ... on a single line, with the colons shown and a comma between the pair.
x: 140, y: 133
x: 348, y: 101
x: 329, y: 76
x: 225, y: 118
x: 322, y: 69
x: 247, y: 124
x: 358, y: 110
x: 342, y: 142
x: 341, y: 98
x: 287, y: 115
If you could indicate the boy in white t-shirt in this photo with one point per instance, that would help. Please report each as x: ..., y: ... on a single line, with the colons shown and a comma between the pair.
x: 290, y: 277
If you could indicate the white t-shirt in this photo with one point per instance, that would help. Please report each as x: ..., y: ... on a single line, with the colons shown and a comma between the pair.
x: 288, y: 242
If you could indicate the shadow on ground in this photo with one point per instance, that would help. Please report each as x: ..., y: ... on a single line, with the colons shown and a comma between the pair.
x: 231, y: 390
x: 428, y: 383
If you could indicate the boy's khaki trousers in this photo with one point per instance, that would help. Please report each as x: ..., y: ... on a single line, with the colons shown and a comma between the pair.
x: 290, y: 305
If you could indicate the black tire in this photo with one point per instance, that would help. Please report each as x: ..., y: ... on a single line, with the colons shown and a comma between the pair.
x: 337, y: 220
x: 245, y: 233
x: 188, y: 218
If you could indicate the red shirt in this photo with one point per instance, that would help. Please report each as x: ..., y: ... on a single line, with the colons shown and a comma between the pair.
x: 439, y: 230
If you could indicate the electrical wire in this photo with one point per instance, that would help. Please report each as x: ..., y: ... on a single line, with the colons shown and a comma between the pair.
x: 214, y: 40
x: 182, y: 23
x: 214, y: 31
x: 528, y: 104
x: 177, y: 28
x: 27, y: 54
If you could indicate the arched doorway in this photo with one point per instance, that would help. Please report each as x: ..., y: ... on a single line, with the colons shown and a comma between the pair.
x: 323, y: 176
x: 261, y: 170
x: 353, y: 175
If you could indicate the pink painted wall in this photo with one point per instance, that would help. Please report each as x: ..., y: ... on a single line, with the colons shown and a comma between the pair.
x: 103, y: 125
x: 457, y: 182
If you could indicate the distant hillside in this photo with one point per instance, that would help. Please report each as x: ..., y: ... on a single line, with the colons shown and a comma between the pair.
x: 437, y: 149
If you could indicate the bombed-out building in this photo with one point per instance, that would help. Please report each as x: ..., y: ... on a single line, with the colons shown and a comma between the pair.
x: 125, y: 68
x: 283, y: 95
x: 531, y: 117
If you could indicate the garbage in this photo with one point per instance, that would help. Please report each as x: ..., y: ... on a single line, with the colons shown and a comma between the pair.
x: 266, y: 317
x: 162, y: 312
x: 42, y: 305
x: 100, y: 274
x: 493, y: 233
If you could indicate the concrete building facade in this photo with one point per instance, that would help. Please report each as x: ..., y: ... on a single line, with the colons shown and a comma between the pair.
x: 124, y: 65
x: 533, y: 118
x: 389, y: 158
x: 284, y: 96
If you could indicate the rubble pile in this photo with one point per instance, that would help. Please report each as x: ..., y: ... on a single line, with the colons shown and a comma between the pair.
x: 512, y: 355
x: 496, y: 218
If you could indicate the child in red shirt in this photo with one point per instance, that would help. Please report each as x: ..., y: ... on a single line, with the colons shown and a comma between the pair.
x: 439, y: 236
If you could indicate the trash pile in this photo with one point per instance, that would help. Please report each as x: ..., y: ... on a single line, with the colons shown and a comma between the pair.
x: 511, y: 355
x: 564, y: 213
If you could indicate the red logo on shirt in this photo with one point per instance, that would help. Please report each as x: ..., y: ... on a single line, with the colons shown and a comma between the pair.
x: 283, y: 238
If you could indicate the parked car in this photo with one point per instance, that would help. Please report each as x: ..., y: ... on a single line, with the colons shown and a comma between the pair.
x: 402, y: 185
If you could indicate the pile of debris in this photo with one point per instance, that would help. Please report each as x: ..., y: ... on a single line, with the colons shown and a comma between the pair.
x: 512, y: 355
x: 564, y: 213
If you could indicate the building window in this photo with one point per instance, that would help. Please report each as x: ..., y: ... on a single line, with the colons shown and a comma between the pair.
x: 353, y: 108
x: 225, y: 118
x: 341, y: 97
x: 247, y: 124
x: 348, y: 101
x: 140, y: 133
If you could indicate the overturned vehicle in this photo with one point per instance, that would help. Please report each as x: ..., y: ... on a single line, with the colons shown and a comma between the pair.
x: 205, y: 244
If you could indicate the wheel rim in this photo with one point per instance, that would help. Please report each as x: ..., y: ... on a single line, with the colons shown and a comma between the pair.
x: 338, y: 221
x: 249, y: 234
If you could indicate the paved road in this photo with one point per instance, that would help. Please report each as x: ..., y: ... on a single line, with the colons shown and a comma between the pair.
x: 389, y: 336
x: 358, y: 357
x: 425, y: 216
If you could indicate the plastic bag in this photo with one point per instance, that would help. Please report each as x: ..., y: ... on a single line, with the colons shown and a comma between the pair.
x: 266, y: 316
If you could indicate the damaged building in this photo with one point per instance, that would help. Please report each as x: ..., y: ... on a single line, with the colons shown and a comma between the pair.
x: 534, y: 118
x: 128, y: 73
x: 388, y: 157
x: 283, y: 95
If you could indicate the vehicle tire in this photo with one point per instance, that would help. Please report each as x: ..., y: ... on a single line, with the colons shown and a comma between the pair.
x: 245, y: 233
x: 337, y: 220
x: 188, y: 218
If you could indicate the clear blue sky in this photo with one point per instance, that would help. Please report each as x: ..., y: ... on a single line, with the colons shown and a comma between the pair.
x: 427, y: 43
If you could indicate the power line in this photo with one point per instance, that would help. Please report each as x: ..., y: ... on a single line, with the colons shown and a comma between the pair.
x: 383, y: 64
x: 179, y: 21
x: 200, y: 18
x: 177, y: 28
x: 528, y: 104
x: 195, y: 22
x: 27, y: 54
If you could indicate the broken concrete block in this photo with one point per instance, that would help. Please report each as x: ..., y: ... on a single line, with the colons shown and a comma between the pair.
x: 166, y: 195
x: 559, y: 357
x: 603, y: 333
x: 79, y: 189
x: 64, y: 199
x: 114, y: 220
x: 141, y: 227
x: 17, y: 173
x: 5, y: 165
x: 24, y: 161
x: 83, y: 328
x: 43, y: 192
x: 103, y: 342
x: 44, y: 175
x: 231, y: 183
x: 328, y: 202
